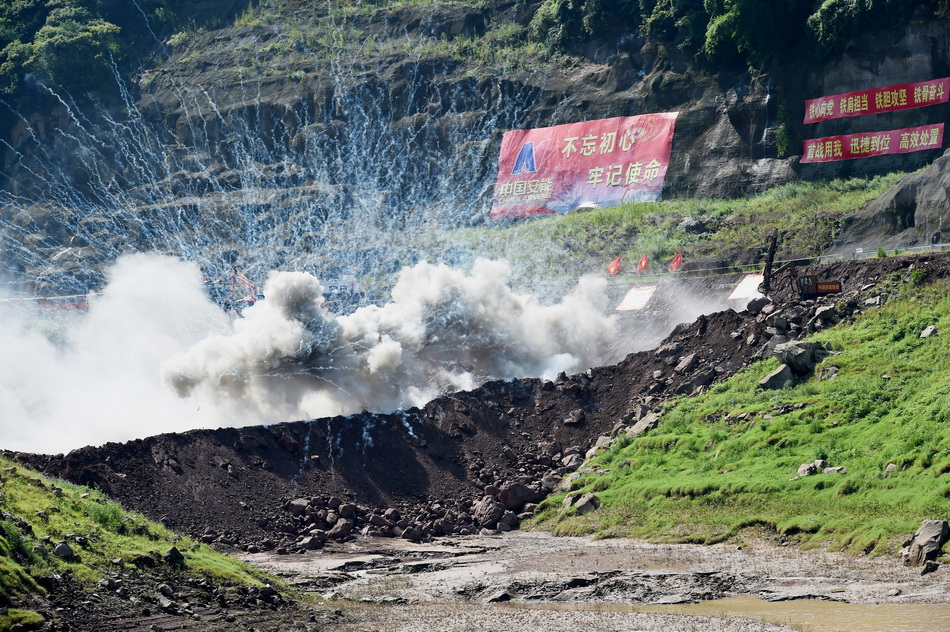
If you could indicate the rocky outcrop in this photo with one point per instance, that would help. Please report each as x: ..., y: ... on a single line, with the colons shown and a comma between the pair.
x: 915, y: 212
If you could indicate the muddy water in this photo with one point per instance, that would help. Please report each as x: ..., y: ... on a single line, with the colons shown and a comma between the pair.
x: 523, y: 573
x: 824, y: 616
x: 805, y: 615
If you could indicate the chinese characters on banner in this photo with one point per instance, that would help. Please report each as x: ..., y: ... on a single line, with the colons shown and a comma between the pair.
x: 895, y: 141
x: 595, y: 163
x: 876, y: 100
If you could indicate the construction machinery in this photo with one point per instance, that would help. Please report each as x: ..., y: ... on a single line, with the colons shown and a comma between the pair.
x: 808, y: 285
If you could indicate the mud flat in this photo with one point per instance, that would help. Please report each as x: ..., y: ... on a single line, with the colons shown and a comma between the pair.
x: 531, y: 580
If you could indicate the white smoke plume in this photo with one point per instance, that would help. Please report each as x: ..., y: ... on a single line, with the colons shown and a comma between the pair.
x: 100, y: 381
x: 289, y: 358
x: 154, y: 354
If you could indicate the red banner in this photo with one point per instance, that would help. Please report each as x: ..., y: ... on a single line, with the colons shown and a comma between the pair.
x: 872, y: 101
x: 582, y: 165
x: 895, y: 141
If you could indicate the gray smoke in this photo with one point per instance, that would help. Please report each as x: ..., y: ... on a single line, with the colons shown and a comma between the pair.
x: 155, y: 354
x: 289, y: 358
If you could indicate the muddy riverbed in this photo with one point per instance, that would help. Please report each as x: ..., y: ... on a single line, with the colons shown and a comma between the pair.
x: 531, y: 580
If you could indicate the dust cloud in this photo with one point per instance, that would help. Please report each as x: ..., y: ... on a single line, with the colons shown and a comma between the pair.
x: 443, y: 330
x: 155, y: 354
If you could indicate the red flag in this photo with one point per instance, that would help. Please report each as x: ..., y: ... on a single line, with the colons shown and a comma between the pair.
x: 676, y: 262
x: 614, y: 266
x: 644, y: 262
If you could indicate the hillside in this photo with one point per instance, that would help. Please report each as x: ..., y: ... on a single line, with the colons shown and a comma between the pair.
x: 72, y: 558
x: 473, y: 377
x: 330, y: 137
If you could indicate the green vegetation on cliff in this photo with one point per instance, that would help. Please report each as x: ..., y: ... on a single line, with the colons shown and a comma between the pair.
x: 752, y: 32
x: 727, y: 460
x: 78, y: 44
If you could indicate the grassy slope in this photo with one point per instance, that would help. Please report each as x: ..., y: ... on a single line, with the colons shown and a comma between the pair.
x: 723, y: 461
x: 60, y: 511
x: 565, y: 246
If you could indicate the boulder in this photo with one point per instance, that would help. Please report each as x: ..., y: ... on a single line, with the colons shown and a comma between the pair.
x: 800, y: 355
x: 639, y: 411
x: 508, y: 518
x: 755, y: 305
x: 298, y: 506
x: 669, y: 349
x: 173, y: 556
x: 487, y: 512
x: 926, y: 543
x: 63, y: 551
x: 603, y: 442
x: 687, y: 364
x: 807, y: 469
x: 340, y: 530
x: 572, y: 461
x: 929, y: 331
x: 379, y: 521
x: 516, y: 495
x: 315, y: 540
x: 647, y: 423
x: 778, y: 378
x: 587, y: 503
x: 574, y: 418
x: 703, y: 377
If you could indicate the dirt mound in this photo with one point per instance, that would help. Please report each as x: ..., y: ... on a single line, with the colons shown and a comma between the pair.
x: 465, y: 462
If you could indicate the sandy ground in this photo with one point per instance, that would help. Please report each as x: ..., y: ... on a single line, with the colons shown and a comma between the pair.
x: 533, y: 581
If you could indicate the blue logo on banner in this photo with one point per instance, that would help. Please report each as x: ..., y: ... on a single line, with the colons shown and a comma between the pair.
x: 525, y: 162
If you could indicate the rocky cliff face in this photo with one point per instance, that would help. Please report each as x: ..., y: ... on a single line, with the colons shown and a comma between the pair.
x: 914, y: 213
x: 304, y: 138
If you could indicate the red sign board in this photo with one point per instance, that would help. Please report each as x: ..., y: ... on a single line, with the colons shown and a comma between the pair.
x: 582, y: 165
x: 874, y: 100
x: 895, y: 141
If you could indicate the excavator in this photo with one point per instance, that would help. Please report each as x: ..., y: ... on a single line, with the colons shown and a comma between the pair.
x: 808, y: 285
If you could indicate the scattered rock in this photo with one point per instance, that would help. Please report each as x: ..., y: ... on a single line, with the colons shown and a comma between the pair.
x: 63, y: 551
x: 587, y: 503
x: 807, y: 469
x: 778, y: 378
x: 929, y: 331
x: 649, y: 422
x: 173, y: 556
x: 574, y: 418
x: 926, y: 543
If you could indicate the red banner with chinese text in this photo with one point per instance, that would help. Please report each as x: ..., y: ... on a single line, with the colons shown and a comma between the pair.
x: 875, y: 100
x: 895, y: 141
x: 595, y: 163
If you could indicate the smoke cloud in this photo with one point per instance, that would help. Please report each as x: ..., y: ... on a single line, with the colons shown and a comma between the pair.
x: 289, y: 358
x: 72, y: 379
x: 155, y: 354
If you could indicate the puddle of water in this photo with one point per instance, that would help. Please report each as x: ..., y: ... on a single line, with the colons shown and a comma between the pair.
x: 824, y: 616
x: 804, y: 615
